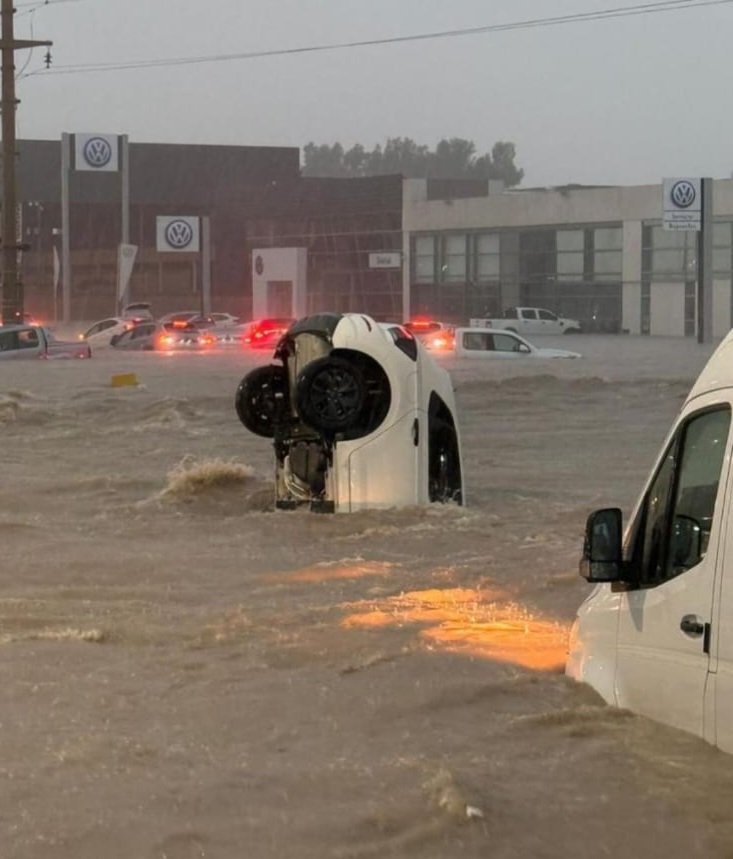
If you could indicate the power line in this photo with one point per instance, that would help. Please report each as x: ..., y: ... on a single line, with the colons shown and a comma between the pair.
x: 649, y: 8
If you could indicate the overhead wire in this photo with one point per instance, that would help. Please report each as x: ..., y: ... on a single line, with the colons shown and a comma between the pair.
x: 636, y: 9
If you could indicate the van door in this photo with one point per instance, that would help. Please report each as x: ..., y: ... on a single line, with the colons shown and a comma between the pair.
x: 665, y: 619
x: 719, y: 700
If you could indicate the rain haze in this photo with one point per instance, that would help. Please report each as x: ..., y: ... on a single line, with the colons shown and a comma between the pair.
x: 616, y: 101
x: 190, y: 671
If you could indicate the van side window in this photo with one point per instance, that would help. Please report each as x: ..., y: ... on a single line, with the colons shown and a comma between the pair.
x: 677, y: 514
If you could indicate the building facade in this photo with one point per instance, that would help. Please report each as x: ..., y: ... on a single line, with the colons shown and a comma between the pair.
x: 596, y: 254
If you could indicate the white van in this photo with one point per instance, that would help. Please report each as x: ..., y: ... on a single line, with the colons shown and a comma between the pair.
x: 656, y: 633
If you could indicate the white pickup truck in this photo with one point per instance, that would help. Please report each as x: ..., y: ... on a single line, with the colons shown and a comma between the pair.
x: 34, y: 341
x: 530, y: 321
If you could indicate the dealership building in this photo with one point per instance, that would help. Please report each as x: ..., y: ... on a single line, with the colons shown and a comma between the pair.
x: 597, y: 254
x: 284, y: 244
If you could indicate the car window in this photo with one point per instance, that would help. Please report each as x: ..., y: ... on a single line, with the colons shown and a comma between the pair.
x: 545, y: 314
x: 505, y: 343
x: 676, y: 518
x: 478, y: 341
x: 529, y: 314
x: 7, y: 341
x: 27, y: 338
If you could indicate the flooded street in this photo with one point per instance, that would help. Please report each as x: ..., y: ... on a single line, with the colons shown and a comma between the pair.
x: 187, y: 673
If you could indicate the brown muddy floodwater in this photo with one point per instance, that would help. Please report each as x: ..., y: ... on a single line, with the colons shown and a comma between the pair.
x: 186, y: 673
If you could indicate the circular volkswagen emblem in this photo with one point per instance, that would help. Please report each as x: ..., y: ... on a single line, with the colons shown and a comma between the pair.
x: 179, y: 234
x: 97, y: 152
x: 683, y: 194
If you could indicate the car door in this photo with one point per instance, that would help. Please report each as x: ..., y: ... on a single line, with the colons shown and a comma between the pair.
x: 549, y: 323
x: 529, y: 322
x: 665, y: 618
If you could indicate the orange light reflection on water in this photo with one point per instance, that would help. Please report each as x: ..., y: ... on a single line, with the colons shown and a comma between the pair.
x: 477, y: 622
x: 327, y: 572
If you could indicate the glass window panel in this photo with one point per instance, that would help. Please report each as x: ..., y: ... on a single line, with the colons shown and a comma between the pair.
x: 454, y: 257
x: 668, y: 261
x: 607, y: 262
x: 570, y: 240
x: 424, y: 269
x: 488, y: 266
x: 569, y: 263
x: 662, y: 238
x: 424, y: 245
x: 487, y: 243
x: 608, y: 239
x: 455, y: 244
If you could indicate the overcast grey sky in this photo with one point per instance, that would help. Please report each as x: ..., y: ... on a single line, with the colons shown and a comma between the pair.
x: 622, y: 101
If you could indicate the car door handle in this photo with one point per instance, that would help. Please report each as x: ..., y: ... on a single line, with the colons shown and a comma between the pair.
x: 692, y: 625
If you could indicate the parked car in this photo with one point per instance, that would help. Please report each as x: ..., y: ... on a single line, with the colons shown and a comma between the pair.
x: 655, y: 635
x: 360, y: 414
x: 101, y: 333
x: 530, y: 321
x: 172, y: 336
x: 265, y: 333
x: 34, y: 341
x: 138, y: 338
x: 485, y: 343
x: 139, y: 311
x: 224, y: 320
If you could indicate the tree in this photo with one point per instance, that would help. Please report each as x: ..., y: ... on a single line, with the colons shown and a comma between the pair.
x: 453, y: 158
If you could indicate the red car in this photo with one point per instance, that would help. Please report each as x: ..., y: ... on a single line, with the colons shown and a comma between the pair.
x: 265, y: 333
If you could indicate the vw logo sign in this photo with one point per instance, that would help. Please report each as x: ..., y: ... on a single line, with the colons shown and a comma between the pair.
x: 97, y: 152
x: 683, y: 194
x: 179, y: 234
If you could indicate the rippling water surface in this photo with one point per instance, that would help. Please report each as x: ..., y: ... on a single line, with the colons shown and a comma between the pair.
x: 186, y: 673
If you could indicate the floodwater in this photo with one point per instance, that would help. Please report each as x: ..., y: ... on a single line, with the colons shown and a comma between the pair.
x: 186, y: 673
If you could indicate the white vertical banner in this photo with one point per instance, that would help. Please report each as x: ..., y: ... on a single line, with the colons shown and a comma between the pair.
x: 126, y: 255
x: 96, y: 152
x: 56, y: 270
x: 177, y: 233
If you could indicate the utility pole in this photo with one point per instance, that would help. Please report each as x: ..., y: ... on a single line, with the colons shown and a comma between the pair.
x: 12, y: 288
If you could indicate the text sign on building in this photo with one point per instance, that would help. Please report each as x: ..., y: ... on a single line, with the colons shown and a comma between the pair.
x: 177, y: 234
x: 385, y: 260
x: 96, y: 152
x: 682, y: 207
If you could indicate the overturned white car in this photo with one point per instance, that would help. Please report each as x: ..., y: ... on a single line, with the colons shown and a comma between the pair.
x: 360, y: 414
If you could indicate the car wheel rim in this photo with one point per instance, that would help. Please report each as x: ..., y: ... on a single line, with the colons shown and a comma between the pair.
x: 335, y: 394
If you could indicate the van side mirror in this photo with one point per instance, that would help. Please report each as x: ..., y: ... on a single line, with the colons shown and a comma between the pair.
x: 602, y: 552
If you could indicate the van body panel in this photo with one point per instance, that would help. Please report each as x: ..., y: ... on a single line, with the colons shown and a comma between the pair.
x: 660, y: 671
x: 592, y: 646
x: 672, y: 658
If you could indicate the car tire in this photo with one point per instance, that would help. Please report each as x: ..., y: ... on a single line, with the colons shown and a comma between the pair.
x: 331, y: 394
x: 261, y: 400
x: 444, y: 481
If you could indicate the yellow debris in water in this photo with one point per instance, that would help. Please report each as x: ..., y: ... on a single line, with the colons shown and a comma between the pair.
x: 124, y: 380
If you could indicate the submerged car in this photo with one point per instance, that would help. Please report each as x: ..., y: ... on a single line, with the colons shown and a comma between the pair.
x: 265, y: 333
x: 138, y: 338
x: 434, y: 335
x: 101, y: 333
x: 485, y: 343
x: 360, y: 415
x: 19, y: 342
